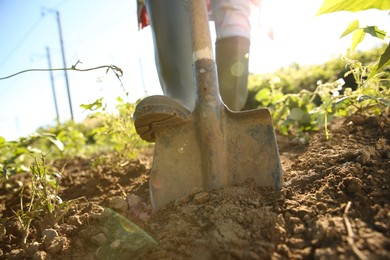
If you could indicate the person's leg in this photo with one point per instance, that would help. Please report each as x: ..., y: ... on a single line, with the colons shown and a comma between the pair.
x: 232, y: 26
x: 170, y: 24
x: 173, y: 50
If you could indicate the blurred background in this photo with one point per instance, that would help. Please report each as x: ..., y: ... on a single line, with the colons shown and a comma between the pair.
x: 97, y: 33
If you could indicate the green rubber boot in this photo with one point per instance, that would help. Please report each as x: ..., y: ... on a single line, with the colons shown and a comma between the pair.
x: 232, y: 57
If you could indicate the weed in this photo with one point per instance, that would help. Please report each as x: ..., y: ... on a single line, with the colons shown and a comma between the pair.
x: 44, y: 202
x: 117, y: 131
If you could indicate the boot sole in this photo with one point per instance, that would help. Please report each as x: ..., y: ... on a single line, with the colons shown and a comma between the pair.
x: 157, y: 111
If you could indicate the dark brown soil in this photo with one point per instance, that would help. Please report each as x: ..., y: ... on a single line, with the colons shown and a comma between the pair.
x: 335, y: 204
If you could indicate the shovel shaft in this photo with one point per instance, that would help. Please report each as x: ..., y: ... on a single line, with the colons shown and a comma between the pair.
x: 208, y: 103
x: 201, y: 41
x: 203, y: 57
x: 211, y: 134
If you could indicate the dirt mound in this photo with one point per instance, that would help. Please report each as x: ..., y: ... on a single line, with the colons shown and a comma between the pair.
x: 334, y: 204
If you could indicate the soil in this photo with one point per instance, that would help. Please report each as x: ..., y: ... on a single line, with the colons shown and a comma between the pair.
x: 334, y: 204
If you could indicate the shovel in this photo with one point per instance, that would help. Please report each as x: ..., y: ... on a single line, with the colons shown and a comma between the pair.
x: 212, y: 147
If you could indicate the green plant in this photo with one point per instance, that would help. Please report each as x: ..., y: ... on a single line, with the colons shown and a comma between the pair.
x: 304, y: 111
x: 42, y: 195
x: 358, y: 33
x: 116, y: 130
x: 13, y: 154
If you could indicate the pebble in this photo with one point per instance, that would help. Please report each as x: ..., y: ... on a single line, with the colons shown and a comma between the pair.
x: 117, y: 203
x: 49, y: 234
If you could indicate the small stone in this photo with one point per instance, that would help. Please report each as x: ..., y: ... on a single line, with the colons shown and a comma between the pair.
x: 118, y: 203
x: 201, y: 198
x: 48, y: 235
x: 99, y: 239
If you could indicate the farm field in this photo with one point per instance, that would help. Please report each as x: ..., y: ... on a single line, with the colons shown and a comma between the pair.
x: 334, y: 204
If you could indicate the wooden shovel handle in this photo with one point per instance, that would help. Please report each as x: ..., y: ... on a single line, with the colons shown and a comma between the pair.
x: 201, y: 40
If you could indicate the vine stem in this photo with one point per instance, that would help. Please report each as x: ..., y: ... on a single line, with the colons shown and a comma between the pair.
x: 118, y: 71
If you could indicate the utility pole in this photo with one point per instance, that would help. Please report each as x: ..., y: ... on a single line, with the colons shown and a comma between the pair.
x: 64, y: 64
x: 52, y: 84
x: 47, y: 10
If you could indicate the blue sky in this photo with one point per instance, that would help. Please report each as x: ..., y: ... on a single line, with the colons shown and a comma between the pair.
x: 98, y: 32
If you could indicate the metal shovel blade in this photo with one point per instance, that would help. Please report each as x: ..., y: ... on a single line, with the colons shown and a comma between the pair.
x: 248, y: 149
x: 212, y: 147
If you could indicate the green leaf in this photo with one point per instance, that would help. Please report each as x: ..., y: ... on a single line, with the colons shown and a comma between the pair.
x: 385, y: 57
x: 296, y: 114
x: 34, y: 150
x: 351, y: 27
x: 264, y: 96
x: 330, y: 6
x: 2, y: 140
x: 94, y: 106
x: 57, y: 143
x: 357, y: 37
x: 375, y: 32
x: 383, y: 61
